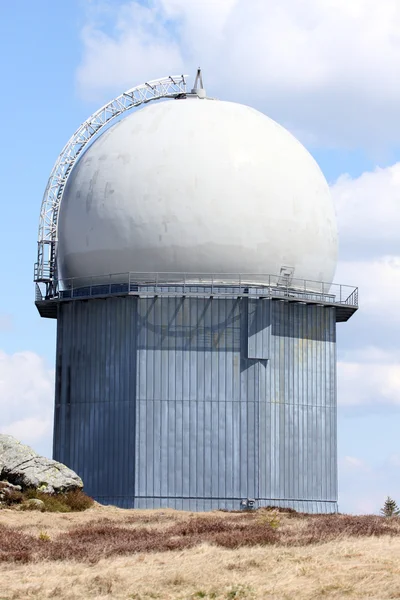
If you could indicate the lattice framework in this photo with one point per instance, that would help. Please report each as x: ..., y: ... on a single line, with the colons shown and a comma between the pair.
x: 166, y: 87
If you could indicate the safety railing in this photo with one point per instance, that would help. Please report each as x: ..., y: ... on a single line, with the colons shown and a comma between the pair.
x: 202, y: 284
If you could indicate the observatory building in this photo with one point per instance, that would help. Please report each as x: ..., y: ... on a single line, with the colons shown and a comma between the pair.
x: 187, y: 250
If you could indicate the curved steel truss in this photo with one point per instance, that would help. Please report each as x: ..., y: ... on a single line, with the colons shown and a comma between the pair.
x: 167, y: 87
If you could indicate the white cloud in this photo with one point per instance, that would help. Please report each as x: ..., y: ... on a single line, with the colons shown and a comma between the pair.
x: 368, y: 212
x: 319, y: 67
x: 26, y: 399
x: 369, y: 376
x: 139, y: 49
x: 29, y: 430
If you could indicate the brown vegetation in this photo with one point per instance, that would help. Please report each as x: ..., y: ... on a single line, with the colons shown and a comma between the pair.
x: 75, y: 500
x: 106, y: 552
x: 102, y: 538
x: 13, y: 497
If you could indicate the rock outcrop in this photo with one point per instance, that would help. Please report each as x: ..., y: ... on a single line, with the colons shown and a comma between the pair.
x: 22, y: 466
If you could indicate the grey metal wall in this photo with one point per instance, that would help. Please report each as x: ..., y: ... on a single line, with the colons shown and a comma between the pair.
x: 198, y: 403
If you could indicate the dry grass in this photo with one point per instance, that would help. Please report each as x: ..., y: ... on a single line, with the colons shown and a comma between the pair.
x: 107, y: 552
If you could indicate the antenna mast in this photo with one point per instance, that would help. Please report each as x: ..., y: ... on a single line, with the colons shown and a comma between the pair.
x: 198, y: 88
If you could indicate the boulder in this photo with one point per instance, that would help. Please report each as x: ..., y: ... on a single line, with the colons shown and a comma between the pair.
x: 20, y: 465
x: 34, y: 504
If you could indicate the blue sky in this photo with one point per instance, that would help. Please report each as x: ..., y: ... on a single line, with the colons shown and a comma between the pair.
x: 328, y: 73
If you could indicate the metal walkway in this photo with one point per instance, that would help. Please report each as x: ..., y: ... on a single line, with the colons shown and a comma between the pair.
x: 342, y: 297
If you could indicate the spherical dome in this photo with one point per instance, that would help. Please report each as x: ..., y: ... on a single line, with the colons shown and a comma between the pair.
x: 197, y: 186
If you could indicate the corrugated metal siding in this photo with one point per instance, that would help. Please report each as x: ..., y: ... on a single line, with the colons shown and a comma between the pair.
x: 95, y: 416
x: 259, y: 328
x: 198, y: 403
x: 298, y: 452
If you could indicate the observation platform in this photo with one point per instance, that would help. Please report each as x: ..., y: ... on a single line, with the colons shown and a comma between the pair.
x: 343, y: 298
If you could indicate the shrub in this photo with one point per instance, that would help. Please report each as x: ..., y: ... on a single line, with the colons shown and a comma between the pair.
x: 281, y: 509
x: 13, y: 497
x: 269, y: 518
x: 77, y: 500
x: 16, y: 546
x: 30, y: 493
x: 201, y: 526
x: 53, y: 502
x: 324, y: 528
x: 72, y: 501
x: 44, y: 537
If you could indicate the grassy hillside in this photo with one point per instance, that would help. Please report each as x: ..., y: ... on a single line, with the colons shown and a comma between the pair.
x: 105, y: 552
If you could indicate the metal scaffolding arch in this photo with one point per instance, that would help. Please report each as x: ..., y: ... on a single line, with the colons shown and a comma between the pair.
x: 45, y: 267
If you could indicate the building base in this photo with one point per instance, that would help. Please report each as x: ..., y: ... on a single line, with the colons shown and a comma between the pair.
x: 198, y: 403
x: 208, y: 504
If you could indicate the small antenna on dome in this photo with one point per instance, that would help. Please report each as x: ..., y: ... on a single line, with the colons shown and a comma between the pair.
x: 198, y: 88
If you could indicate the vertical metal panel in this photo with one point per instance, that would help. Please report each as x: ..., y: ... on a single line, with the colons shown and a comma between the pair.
x: 259, y: 328
x: 298, y: 414
x: 172, y: 402
x: 96, y: 419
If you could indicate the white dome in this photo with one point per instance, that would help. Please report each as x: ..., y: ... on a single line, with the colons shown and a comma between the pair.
x: 197, y: 186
